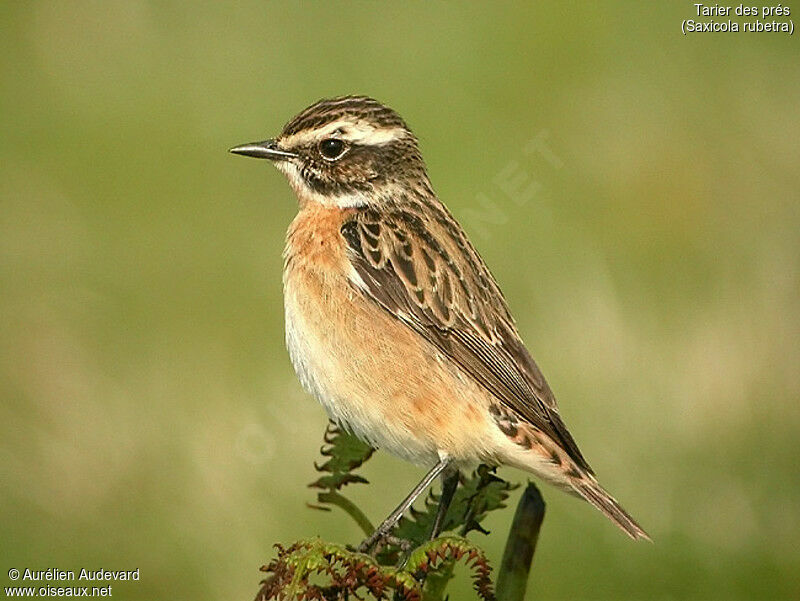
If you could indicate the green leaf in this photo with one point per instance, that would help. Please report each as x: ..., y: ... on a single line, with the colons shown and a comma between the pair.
x: 476, y: 496
x: 345, y: 453
x: 484, y: 492
x: 315, y: 569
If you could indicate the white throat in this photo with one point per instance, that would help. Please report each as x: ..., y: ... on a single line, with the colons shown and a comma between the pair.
x: 304, y: 193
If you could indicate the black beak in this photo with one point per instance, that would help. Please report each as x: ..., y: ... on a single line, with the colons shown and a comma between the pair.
x: 268, y: 149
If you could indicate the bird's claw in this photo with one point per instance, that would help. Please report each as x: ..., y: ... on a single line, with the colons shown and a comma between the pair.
x: 378, y: 540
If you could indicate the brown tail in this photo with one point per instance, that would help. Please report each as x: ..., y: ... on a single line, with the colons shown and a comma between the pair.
x: 589, y: 489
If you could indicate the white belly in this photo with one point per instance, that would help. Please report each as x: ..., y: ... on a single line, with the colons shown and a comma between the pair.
x: 314, y: 369
x: 323, y: 363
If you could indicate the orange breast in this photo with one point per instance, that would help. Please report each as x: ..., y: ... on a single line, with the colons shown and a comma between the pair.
x: 314, y: 240
x: 367, y: 368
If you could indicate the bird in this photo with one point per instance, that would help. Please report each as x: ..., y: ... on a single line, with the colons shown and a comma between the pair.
x: 394, y: 322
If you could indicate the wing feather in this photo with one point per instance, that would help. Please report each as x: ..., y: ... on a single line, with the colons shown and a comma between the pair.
x: 421, y: 268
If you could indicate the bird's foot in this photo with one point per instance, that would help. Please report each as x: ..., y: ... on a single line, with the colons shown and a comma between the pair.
x: 376, y: 542
x: 403, y: 544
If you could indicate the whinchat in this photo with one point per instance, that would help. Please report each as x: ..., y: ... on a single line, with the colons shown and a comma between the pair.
x: 394, y: 322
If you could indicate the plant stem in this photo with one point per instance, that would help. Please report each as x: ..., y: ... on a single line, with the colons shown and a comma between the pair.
x: 512, y: 580
x: 334, y: 498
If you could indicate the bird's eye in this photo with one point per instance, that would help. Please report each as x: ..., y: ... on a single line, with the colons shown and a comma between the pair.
x: 331, y: 148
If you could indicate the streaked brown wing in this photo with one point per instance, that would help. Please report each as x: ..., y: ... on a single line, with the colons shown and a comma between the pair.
x: 420, y: 267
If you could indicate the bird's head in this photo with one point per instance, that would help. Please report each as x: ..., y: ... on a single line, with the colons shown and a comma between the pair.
x: 350, y: 151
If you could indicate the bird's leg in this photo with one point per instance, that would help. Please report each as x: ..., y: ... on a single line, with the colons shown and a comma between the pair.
x: 389, y: 523
x: 449, y: 485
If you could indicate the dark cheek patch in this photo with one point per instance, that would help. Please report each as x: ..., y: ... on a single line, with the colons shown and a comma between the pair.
x: 346, y: 175
x: 360, y: 168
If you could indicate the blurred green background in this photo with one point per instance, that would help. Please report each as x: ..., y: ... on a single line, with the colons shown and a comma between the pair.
x: 150, y: 416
